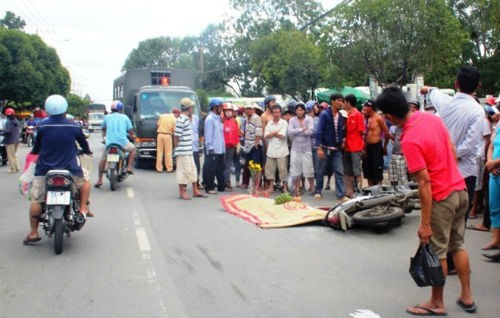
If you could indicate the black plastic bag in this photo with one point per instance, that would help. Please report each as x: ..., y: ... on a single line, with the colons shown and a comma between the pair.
x: 425, y: 268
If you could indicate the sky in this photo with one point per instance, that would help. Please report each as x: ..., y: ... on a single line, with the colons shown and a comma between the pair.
x: 94, y: 37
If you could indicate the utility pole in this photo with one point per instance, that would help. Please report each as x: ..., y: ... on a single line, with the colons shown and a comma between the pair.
x: 202, y: 67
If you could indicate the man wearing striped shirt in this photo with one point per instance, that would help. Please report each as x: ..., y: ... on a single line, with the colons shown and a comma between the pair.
x: 186, y: 168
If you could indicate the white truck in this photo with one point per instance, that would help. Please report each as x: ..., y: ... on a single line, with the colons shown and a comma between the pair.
x: 95, y: 116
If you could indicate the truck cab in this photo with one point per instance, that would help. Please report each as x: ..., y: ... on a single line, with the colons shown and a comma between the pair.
x: 150, y: 102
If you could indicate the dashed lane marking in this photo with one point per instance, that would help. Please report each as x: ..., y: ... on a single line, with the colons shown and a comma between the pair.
x: 130, y: 192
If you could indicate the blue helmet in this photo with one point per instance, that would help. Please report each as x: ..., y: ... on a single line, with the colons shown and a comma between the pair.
x: 215, y: 102
x: 56, y: 105
x: 310, y: 104
x: 117, y: 105
x: 268, y: 99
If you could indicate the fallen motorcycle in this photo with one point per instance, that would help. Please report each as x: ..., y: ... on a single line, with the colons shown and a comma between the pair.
x: 61, y: 210
x: 375, y: 205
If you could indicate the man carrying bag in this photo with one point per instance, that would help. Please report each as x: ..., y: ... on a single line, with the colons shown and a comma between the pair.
x: 430, y: 155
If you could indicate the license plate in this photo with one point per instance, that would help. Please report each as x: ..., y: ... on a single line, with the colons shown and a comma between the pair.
x: 58, y: 197
x: 113, y: 157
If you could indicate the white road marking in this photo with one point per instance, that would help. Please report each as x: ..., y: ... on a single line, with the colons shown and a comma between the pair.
x: 175, y: 307
x: 142, y: 239
x: 364, y: 313
x: 137, y: 220
x: 130, y: 192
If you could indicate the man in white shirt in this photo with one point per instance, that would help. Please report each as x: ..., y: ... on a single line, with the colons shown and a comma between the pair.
x: 277, y: 149
x: 464, y: 118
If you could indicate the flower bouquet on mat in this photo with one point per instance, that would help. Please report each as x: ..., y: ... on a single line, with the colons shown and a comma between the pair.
x: 256, y: 173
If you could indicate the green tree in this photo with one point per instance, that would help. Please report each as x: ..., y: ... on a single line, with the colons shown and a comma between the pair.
x: 259, y: 19
x: 394, y: 40
x: 156, y: 52
x: 11, y: 21
x: 288, y: 61
x: 29, y: 69
x: 77, y: 105
x: 480, y: 19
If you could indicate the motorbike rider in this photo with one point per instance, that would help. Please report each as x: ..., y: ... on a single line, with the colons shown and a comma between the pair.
x: 56, y: 147
x: 31, y: 121
x: 117, y: 129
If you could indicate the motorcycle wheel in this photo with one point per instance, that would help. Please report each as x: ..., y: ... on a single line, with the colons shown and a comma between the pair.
x: 58, y: 236
x: 379, y: 214
x: 113, y: 179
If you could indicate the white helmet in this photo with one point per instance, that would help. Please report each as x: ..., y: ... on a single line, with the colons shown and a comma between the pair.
x: 56, y: 105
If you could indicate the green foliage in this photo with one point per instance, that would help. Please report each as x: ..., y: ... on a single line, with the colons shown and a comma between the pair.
x: 203, y: 99
x: 29, y: 69
x: 156, y: 52
x: 394, y: 40
x: 11, y: 21
x: 479, y: 18
x: 77, y: 106
x: 288, y: 61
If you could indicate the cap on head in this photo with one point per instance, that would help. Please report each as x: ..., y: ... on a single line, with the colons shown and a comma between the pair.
x: 491, y: 101
x: 56, y: 105
x: 214, y: 102
x: 227, y: 106
x: 310, y: 104
x: 9, y: 111
x: 187, y: 102
x: 415, y: 102
x: 176, y: 111
x: 116, y: 106
x: 370, y: 103
x: 269, y: 99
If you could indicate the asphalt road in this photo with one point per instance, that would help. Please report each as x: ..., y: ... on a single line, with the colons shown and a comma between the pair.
x: 148, y: 254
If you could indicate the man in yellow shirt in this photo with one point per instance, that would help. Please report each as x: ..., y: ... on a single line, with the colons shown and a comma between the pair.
x: 166, y: 127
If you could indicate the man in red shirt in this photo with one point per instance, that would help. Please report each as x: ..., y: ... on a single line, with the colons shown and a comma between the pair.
x: 231, y: 139
x: 431, y: 157
x: 354, y: 143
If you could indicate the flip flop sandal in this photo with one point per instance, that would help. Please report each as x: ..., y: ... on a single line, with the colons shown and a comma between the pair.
x: 467, y: 308
x: 425, y: 312
x: 201, y: 195
x: 97, y: 185
x: 87, y: 214
x: 490, y: 247
x: 185, y: 197
x: 28, y: 241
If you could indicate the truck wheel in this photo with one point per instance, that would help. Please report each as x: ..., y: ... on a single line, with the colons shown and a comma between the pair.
x: 379, y: 214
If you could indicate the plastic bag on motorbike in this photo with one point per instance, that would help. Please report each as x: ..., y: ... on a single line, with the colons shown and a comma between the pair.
x: 86, y: 164
x: 26, y: 179
x: 425, y: 268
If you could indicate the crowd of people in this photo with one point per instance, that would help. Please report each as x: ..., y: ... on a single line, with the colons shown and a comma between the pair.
x: 450, y: 147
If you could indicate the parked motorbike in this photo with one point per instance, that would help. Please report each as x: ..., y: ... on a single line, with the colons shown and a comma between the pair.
x: 116, y: 165
x: 30, y: 135
x: 61, y: 210
x: 375, y: 205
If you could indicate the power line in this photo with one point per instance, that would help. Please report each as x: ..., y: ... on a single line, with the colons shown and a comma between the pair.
x: 314, y: 21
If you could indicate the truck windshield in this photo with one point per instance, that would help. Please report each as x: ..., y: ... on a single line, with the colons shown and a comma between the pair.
x: 96, y: 116
x: 153, y: 104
